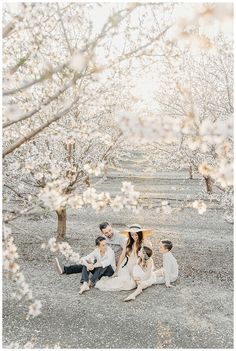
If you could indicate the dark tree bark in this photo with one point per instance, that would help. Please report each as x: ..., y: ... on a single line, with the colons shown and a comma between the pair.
x: 61, y: 223
x: 209, y: 184
x: 190, y: 172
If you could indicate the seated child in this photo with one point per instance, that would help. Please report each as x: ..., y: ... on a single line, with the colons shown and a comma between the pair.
x: 169, y: 272
x: 166, y: 275
x: 142, y: 271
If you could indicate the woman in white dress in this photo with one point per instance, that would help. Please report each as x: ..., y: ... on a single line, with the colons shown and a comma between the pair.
x: 122, y: 278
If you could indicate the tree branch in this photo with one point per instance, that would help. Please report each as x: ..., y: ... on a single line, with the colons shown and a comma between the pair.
x: 28, y: 137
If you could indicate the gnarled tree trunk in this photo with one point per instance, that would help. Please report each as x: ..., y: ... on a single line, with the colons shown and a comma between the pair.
x: 61, y: 223
x: 209, y: 184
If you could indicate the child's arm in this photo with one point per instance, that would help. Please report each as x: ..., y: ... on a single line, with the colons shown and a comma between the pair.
x: 86, y: 260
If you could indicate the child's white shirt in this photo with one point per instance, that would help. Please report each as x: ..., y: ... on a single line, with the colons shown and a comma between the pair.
x: 170, y: 267
x: 107, y: 259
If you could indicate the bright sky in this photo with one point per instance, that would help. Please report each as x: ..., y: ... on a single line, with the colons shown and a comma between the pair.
x: 210, y: 24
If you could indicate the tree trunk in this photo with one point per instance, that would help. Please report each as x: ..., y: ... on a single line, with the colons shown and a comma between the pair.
x: 190, y: 172
x: 70, y: 147
x: 209, y: 184
x: 61, y: 223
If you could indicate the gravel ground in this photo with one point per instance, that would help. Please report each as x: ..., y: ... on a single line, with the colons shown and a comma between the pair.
x: 197, y: 313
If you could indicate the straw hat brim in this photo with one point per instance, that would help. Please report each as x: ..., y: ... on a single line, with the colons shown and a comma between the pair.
x: 146, y: 232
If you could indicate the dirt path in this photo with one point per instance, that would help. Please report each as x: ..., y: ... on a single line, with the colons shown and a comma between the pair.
x: 197, y: 313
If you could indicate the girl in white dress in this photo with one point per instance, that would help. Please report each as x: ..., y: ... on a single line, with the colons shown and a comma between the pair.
x: 142, y: 271
x: 122, y: 278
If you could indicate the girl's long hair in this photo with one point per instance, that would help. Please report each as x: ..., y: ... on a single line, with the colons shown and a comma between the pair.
x: 142, y: 261
x: 131, y: 241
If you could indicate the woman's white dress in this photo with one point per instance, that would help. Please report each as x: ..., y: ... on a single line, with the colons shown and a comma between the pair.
x: 124, y: 280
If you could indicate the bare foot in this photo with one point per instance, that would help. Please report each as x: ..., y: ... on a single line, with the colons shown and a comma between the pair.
x: 129, y: 298
x: 83, y: 288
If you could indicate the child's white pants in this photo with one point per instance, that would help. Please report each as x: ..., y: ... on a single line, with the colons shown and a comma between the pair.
x: 157, y: 277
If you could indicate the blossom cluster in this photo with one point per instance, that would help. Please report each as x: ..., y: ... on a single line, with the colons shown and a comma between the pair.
x: 147, y: 129
x: 128, y: 198
x: 13, y: 272
x: 95, y: 169
x: 64, y: 248
x: 196, y: 25
x: 54, y: 197
x: 200, y: 206
x: 53, y: 194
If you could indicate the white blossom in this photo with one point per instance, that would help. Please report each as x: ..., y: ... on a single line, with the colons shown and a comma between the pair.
x: 117, y: 203
x: 127, y: 187
x: 200, y: 206
x: 75, y: 201
x: 78, y: 61
x: 35, y: 309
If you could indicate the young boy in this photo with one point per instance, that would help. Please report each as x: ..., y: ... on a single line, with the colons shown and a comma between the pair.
x: 100, y: 262
x: 169, y: 272
x: 166, y: 275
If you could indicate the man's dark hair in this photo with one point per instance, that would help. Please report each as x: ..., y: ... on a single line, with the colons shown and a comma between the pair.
x: 103, y: 225
x: 98, y: 240
x: 167, y: 244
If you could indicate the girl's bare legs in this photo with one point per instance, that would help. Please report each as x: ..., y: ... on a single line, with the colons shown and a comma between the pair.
x: 141, y: 285
x: 136, y: 292
x: 158, y: 279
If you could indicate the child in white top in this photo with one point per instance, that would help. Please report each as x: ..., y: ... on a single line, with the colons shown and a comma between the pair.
x: 142, y: 271
x: 166, y: 275
x: 169, y: 272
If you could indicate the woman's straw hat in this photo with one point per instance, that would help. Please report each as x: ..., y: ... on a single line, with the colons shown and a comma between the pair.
x: 134, y: 228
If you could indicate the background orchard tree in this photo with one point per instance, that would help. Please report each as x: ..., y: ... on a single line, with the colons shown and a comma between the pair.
x: 57, y: 168
x: 49, y: 51
x: 205, y: 95
x: 190, y: 115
